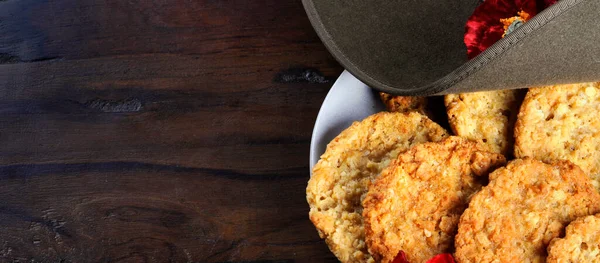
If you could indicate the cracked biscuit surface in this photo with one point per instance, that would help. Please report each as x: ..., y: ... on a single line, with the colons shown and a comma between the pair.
x: 580, y: 244
x: 350, y: 163
x: 526, y: 205
x: 415, y: 204
x: 562, y: 123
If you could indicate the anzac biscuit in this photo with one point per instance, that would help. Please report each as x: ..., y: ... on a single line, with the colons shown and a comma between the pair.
x: 526, y: 205
x: 403, y: 103
x: 349, y: 165
x: 561, y: 123
x: 486, y: 117
x: 415, y: 204
x: 580, y: 244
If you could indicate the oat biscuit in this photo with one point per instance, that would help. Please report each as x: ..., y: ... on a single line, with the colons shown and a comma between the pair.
x: 486, y: 117
x: 581, y: 242
x: 561, y: 123
x: 415, y: 204
x: 352, y: 160
x: 525, y: 205
x: 403, y: 103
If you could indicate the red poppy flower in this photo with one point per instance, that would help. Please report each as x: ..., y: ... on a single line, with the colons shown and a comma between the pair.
x: 492, y: 18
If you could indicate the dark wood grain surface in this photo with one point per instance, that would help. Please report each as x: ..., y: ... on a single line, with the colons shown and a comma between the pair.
x: 158, y: 130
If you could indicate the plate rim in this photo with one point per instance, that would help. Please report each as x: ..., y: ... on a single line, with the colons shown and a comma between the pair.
x: 363, y: 102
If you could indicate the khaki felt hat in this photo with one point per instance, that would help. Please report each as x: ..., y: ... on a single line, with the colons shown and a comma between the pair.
x: 415, y: 47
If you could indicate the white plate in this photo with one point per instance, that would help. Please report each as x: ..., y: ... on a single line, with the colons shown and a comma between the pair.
x: 348, y: 100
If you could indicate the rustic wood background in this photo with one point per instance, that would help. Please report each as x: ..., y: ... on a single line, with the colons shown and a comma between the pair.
x: 158, y: 130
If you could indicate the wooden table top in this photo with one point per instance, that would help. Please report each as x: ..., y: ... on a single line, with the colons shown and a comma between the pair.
x: 158, y: 130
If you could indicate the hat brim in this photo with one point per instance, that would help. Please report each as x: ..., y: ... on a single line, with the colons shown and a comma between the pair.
x: 416, y: 47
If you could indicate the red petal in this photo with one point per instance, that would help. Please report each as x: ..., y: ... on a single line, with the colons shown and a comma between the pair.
x: 529, y: 6
x: 483, y: 28
x: 442, y: 258
x: 548, y: 3
x: 400, y: 258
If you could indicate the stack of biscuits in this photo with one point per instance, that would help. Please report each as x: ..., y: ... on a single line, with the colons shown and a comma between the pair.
x: 515, y: 180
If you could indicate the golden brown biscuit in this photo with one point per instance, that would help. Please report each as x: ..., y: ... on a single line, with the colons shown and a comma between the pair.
x: 403, y: 103
x: 561, y: 123
x: 352, y: 160
x: 486, y: 117
x: 415, y: 204
x: 580, y: 244
x: 526, y: 205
